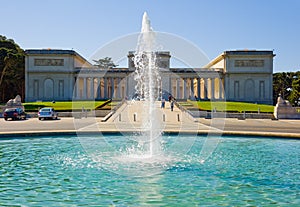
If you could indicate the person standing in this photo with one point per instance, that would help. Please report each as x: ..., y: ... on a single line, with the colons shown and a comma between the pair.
x: 163, y: 102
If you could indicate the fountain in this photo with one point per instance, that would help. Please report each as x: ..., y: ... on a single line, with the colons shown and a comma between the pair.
x: 146, y: 152
x: 148, y: 78
x: 57, y: 171
x: 143, y: 153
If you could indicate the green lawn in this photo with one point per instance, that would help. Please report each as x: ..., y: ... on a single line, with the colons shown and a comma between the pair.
x: 232, y: 106
x: 64, y: 105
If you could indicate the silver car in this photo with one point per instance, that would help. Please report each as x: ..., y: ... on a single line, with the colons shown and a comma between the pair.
x: 47, y: 113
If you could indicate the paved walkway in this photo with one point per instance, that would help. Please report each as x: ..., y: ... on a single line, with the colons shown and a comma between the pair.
x: 129, y: 119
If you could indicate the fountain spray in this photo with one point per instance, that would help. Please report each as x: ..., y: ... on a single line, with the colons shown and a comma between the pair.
x: 148, y: 79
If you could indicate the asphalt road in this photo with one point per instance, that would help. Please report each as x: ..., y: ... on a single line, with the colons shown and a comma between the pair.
x: 33, y: 124
x: 263, y: 126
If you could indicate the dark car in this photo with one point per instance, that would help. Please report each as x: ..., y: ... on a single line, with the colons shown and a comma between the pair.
x: 14, y: 114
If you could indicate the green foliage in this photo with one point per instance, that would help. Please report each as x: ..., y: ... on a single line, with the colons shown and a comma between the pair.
x: 232, y: 106
x: 105, y: 63
x: 12, y: 70
x: 294, y: 96
x: 287, y: 85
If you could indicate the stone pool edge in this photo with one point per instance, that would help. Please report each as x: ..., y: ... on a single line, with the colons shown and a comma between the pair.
x: 28, y: 134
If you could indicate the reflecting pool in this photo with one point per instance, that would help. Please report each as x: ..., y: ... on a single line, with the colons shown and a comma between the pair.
x: 57, y: 171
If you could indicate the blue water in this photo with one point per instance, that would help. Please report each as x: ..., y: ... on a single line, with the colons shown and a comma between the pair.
x: 57, y: 171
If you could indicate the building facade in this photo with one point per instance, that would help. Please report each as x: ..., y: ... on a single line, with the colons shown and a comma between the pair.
x: 64, y: 75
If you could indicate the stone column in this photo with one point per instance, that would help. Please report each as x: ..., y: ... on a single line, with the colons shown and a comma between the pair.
x: 119, y: 80
x: 105, y: 87
x: 77, y: 88
x: 112, y: 84
x: 205, y: 88
x: 84, y: 93
x: 184, y: 88
x: 192, y: 88
x: 178, y: 88
x: 92, y: 95
x: 212, y: 87
x: 220, y: 88
x: 198, y: 88
x: 98, y: 88
x: 125, y: 88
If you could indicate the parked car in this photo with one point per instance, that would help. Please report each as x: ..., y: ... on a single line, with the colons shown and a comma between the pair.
x: 47, y: 113
x: 14, y: 114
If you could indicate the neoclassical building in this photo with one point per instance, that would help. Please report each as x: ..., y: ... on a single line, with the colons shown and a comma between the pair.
x: 63, y: 75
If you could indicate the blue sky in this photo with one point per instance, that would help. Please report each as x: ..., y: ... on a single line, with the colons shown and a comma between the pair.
x: 212, y: 25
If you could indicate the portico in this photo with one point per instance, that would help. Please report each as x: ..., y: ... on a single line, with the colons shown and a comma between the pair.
x: 182, y: 85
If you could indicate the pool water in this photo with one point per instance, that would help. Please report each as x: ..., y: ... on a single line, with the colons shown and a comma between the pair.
x: 57, y: 171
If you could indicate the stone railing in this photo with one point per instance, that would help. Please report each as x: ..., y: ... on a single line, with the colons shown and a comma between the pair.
x: 113, y: 111
x: 210, y: 115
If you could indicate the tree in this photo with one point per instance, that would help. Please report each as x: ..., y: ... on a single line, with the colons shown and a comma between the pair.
x: 286, y: 84
x: 12, y: 69
x: 105, y: 63
x: 295, y: 91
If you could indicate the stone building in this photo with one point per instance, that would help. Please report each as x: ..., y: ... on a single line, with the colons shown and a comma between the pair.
x: 248, y: 75
x: 64, y: 75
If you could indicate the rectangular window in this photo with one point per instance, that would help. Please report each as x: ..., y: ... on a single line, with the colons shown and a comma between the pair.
x: 261, y: 89
x: 36, y: 88
x: 61, y: 88
x: 236, y: 89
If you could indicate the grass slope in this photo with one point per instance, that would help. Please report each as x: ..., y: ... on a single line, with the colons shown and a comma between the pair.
x: 232, y: 106
x: 64, y: 105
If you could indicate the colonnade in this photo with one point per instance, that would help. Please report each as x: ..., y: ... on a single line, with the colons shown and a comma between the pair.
x: 179, y: 87
x: 199, y: 88
x: 100, y: 88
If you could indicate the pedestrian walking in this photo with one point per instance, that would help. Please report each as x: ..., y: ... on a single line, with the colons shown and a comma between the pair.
x: 172, y: 105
